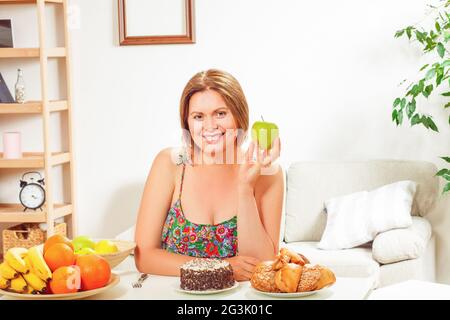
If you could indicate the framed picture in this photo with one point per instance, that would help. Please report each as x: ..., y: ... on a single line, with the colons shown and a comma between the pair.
x: 5, y: 94
x: 6, y: 36
x: 156, y: 22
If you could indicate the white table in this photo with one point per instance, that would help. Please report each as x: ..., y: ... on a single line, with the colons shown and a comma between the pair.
x: 412, y: 290
x: 164, y: 288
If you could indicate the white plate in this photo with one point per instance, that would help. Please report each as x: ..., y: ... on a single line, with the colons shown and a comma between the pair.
x: 289, y: 295
x: 114, y: 280
x: 178, y: 288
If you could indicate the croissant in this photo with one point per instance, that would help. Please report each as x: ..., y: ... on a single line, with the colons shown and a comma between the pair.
x: 288, y: 277
x: 263, y: 278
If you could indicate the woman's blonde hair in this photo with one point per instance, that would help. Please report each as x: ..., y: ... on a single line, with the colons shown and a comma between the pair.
x: 228, y: 87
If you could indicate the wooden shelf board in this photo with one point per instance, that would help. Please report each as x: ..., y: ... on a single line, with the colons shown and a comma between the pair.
x: 33, y: 160
x: 27, y: 1
x: 31, y: 107
x: 31, y: 52
x: 13, y: 212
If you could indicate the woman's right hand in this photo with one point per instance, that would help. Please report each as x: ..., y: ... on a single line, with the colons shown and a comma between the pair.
x: 243, y: 267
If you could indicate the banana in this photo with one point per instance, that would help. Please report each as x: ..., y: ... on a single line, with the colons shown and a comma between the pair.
x: 39, y: 266
x: 28, y: 263
x: 7, y: 272
x: 35, y: 282
x: 14, y: 257
x: 30, y: 290
x: 4, y: 283
x: 19, y: 285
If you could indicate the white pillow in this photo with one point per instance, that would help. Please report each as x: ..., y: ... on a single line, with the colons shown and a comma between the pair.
x: 357, y: 218
x: 402, y: 244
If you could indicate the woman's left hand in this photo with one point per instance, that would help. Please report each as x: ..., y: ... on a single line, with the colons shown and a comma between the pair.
x: 251, y: 168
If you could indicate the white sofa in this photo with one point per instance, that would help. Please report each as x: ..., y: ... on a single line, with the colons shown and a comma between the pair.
x: 309, y: 184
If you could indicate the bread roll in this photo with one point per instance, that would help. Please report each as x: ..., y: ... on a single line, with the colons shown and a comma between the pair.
x: 263, y: 278
x: 309, y: 278
x: 327, y: 278
x: 288, y: 277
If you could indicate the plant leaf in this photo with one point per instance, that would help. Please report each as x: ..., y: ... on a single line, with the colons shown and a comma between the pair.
x: 432, y: 125
x: 408, y: 32
x: 415, y: 120
x: 424, y: 121
x: 446, y: 159
x: 399, y: 33
x: 426, y: 92
x: 430, y: 74
x: 411, y: 108
x: 446, y: 188
x: 400, y: 116
x: 394, y: 116
x: 446, y: 94
x: 437, y: 26
x: 397, y: 102
x: 440, y: 49
x: 441, y: 172
x: 447, y: 105
x: 425, y: 66
x: 402, y: 103
x: 446, y: 63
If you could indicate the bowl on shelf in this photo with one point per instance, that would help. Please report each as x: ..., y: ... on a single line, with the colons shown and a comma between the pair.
x: 125, y: 249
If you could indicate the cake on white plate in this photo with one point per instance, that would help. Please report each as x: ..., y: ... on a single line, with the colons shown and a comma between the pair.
x: 206, y: 274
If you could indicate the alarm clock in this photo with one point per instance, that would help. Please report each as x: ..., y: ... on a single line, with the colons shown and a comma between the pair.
x: 32, y: 192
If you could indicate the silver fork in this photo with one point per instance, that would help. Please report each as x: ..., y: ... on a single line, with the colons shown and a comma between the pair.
x: 138, y: 283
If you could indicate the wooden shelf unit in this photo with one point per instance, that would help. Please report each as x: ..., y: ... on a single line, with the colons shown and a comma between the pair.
x: 46, y: 160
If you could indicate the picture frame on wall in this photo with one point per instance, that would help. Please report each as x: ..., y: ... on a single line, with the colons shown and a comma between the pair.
x: 156, y: 22
x: 6, y: 34
x: 5, y: 94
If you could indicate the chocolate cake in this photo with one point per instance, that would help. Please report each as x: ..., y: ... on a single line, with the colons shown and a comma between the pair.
x: 206, y: 274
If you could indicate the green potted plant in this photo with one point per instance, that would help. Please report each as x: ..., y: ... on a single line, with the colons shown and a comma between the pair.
x: 434, y: 79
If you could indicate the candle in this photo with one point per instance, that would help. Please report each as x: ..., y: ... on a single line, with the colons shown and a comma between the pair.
x: 12, y: 148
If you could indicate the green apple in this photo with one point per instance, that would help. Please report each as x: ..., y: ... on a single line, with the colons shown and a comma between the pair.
x: 106, y: 246
x: 85, y: 250
x: 265, y: 133
x: 81, y: 242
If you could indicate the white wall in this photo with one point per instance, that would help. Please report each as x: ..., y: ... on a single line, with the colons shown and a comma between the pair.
x: 326, y: 72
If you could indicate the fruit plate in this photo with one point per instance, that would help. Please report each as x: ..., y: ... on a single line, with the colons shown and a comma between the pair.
x: 178, y: 288
x: 290, y: 295
x: 114, y: 280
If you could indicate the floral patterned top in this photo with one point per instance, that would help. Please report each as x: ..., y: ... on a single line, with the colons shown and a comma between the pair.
x: 182, y: 236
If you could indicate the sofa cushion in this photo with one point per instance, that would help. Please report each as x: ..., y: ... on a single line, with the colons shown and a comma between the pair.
x: 357, y: 218
x: 309, y: 184
x: 356, y: 262
x: 402, y: 244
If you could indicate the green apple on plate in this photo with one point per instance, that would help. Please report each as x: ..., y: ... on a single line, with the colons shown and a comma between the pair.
x: 82, y: 242
x: 264, y: 133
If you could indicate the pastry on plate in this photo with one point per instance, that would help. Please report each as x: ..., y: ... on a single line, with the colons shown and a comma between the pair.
x: 263, y: 278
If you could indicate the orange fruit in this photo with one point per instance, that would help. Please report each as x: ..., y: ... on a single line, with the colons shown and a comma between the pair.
x: 95, y: 271
x: 59, y: 255
x: 57, y: 238
x: 65, y: 280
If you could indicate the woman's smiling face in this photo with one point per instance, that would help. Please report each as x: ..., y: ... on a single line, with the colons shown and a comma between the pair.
x: 211, y: 123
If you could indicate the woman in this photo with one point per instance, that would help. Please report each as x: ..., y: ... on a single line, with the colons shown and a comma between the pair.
x: 218, y: 194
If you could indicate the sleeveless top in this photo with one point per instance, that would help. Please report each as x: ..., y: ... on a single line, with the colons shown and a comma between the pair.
x: 182, y: 236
